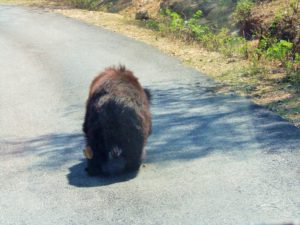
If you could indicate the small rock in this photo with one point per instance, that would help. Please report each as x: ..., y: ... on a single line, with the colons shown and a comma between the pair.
x: 276, y: 71
x: 289, y: 86
x: 142, y: 15
x: 230, y: 61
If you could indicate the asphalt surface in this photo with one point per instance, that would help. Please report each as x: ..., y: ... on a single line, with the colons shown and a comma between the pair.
x: 212, y: 158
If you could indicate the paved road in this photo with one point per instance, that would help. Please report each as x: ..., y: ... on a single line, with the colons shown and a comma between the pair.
x: 212, y: 159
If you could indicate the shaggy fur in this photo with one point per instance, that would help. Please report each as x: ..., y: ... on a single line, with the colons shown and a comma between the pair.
x: 117, y: 122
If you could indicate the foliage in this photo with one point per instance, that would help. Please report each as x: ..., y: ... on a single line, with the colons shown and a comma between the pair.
x: 85, y: 4
x: 193, y: 30
x: 176, y: 22
x: 196, y: 30
x: 294, y: 78
x: 152, y: 24
x: 294, y: 6
x: 293, y: 75
x: 281, y: 51
x: 268, y: 48
x: 231, y: 45
x: 242, y: 11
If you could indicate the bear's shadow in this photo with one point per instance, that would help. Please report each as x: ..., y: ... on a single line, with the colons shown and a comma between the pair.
x: 78, y: 177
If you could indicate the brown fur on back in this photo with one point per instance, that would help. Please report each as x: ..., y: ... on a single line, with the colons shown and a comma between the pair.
x: 107, y: 81
x: 114, y: 73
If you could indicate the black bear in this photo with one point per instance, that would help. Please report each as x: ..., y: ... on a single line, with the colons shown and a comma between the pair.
x: 117, y: 123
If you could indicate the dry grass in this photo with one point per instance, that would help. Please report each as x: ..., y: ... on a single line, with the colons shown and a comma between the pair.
x: 268, y: 10
x: 151, y: 6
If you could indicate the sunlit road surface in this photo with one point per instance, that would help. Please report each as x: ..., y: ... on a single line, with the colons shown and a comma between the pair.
x: 212, y: 159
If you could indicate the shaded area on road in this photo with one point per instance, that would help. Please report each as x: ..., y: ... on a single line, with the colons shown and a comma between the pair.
x: 54, y: 150
x: 273, y: 132
x: 192, y: 121
x: 79, y: 178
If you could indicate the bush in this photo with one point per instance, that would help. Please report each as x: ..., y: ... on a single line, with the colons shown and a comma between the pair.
x: 176, y: 22
x: 224, y: 42
x: 196, y: 30
x: 242, y: 11
x: 152, y: 24
x: 294, y: 71
x: 85, y: 4
x: 281, y: 51
x: 192, y: 30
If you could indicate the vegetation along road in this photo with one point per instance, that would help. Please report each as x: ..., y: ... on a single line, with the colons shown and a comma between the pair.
x: 211, y: 159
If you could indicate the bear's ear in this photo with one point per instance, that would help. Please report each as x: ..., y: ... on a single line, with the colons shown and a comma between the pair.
x: 148, y: 94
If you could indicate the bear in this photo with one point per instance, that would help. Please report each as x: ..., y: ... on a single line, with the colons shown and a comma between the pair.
x: 117, y: 123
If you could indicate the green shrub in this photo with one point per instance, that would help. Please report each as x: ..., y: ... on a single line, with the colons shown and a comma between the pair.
x: 293, y: 78
x: 281, y: 51
x: 152, y: 24
x: 85, y: 4
x: 242, y: 11
x: 176, y: 22
x: 196, y: 30
x: 192, y: 30
x: 223, y: 41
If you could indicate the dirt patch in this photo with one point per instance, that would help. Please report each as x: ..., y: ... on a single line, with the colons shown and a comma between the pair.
x: 151, y: 6
x: 278, y: 19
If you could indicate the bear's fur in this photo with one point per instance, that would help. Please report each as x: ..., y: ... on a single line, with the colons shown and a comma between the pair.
x: 117, y: 122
